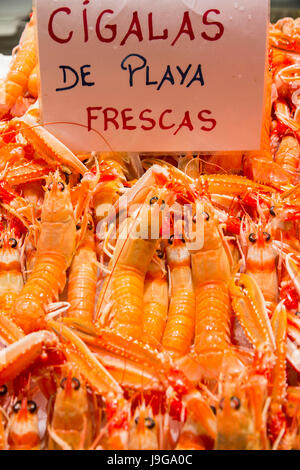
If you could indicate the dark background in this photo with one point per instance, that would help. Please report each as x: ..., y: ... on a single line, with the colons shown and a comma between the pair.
x: 279, y: 9
x: 282, y: 8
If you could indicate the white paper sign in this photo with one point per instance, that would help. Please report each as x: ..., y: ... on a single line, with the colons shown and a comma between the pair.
x: 153, y: 75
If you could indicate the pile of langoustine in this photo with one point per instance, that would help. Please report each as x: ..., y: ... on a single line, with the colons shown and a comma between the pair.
x: 113, y: 338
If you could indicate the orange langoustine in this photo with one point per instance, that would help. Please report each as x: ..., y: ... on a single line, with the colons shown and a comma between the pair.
x: 113, y: 324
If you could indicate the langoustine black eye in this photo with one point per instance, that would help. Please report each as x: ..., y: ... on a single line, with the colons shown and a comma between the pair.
x: 171, y: 240
x: 153, y: 200
x: 272, y: 211
x: 160, y: 254
x: 235, y: 403
x: 31, y: 406
x: 13, y: 242
x: 63, y: 382
x: 252, y: 237
x: 17, y: 406
x: 75, y: 383
x: 206, y: 216
x: 267, y: 236
x: 149, y: 422
x: 3, y: 390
